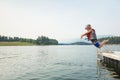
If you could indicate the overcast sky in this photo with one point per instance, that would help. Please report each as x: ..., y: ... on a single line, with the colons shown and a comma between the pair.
x: 59, y: 19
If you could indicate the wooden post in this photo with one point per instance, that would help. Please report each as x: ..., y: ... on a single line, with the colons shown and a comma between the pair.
x: 119, y: 67
x: 116, y: 66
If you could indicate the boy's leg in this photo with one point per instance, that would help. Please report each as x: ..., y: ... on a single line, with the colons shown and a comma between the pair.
x: 103, y: 42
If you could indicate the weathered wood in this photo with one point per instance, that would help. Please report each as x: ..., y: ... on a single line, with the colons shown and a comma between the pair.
x: 111, y: 55
x: 112, y: 61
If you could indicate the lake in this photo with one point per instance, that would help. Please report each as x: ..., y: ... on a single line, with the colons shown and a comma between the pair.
x: 52, y: 63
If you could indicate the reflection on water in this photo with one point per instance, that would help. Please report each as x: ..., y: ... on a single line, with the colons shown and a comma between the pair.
x: 51, y: 63
x: 105, y: 73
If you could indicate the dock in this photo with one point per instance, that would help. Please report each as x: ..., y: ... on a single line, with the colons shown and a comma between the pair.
x: 111, y: 60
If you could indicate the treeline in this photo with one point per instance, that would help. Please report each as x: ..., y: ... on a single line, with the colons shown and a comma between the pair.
x: 112, y: 40
x: 15, y: 39
x: 46, y: 41
x: 42, y: 40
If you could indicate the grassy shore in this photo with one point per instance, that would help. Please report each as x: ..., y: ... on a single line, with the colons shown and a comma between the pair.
x: 16, y: 44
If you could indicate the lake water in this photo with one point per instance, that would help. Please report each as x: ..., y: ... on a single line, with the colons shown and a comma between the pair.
x: 51, y: 63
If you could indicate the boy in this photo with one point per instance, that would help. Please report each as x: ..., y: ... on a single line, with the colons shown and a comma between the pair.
x: 91, y: 35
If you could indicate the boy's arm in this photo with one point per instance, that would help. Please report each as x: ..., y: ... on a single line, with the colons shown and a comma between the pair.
x: 86, y: 33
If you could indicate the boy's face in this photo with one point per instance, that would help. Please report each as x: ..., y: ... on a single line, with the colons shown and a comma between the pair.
x: 88, y: 28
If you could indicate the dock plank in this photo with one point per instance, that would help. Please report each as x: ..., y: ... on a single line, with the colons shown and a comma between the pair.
x: 111, y: 55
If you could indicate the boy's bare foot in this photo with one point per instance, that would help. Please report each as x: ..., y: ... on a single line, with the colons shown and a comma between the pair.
x: 105, y: 41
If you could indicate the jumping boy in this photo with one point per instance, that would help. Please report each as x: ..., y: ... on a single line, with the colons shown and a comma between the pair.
x: 91, y: 35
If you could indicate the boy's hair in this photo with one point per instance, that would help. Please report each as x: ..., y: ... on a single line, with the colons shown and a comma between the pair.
x: 88, y: 26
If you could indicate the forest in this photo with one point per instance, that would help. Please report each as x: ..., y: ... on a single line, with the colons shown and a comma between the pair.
x: 112, y: 40
x: 41, y: 40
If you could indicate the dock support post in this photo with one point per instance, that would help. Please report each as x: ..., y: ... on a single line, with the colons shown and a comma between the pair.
x: 118, y: 67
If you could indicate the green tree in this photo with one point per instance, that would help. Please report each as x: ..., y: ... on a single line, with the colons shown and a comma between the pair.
x: 46, y: 41
x: 112, y: 40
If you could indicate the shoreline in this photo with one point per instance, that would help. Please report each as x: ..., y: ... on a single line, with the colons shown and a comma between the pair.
x: 31, y: 44
x: 16, y: 44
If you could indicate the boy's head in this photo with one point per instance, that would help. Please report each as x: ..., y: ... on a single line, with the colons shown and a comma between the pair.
x: 88, y: 27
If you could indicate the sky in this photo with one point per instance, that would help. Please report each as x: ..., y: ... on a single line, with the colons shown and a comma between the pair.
x: 58, y: 19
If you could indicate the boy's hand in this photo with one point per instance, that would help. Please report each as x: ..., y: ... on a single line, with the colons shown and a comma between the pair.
x: 81, y: 36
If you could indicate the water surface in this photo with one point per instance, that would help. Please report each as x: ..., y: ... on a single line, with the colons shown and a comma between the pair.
x: 51, y: 63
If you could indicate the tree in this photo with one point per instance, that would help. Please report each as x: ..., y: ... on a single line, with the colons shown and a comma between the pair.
x: 112, y: 40
x: 53, y: 41
x: 46, y: 41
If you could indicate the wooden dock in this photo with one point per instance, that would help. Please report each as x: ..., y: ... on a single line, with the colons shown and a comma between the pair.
x: 111, y: 60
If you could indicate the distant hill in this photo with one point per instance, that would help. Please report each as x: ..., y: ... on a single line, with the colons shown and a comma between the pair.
x: 80, y: 43
x: 76, y: 43
x: 104, y: 36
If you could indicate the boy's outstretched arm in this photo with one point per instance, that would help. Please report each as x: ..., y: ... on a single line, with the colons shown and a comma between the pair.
x: 86, y: 33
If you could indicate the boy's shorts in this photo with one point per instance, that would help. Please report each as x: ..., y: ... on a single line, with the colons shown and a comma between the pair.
x: 97, y: 44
